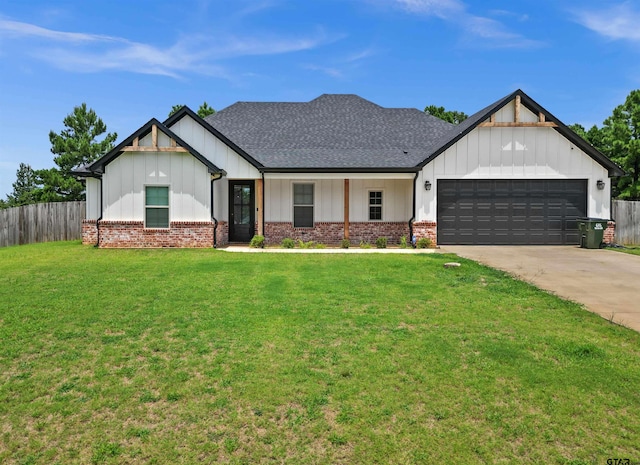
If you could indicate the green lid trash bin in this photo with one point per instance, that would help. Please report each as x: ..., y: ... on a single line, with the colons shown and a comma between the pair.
x: 591, y: 232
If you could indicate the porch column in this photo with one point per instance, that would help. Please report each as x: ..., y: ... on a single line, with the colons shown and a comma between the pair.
x: 259, y: 197
x: 346, y: 209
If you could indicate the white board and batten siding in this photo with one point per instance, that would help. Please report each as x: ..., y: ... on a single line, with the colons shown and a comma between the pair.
x: 93, y: 199
x: 214, y: 149
x: 396, y: 198
x: 329, y: 199
x: 514, y: 153
x: 126, y: 176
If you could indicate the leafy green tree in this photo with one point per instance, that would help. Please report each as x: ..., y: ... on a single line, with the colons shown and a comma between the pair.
x: 25, y: 187
x: 75, y: 145
x: 594, y: 136
x: 450, y: 116
x: 205, y: 110
x: 174, y: 109
x: 621, y: 143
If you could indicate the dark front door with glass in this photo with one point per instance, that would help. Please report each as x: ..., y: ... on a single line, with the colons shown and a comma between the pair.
x: 241, y: 211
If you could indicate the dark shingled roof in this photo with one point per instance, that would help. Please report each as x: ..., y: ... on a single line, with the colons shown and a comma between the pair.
x: 333, y: 131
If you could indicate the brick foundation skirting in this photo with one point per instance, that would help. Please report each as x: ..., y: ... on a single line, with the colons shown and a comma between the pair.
x: 426, y: 229
x: 89, y: 232
x: 222, y: 234
x: 332, y: 233
x: 329, y: 233
x: 369, y: 231
x: 117, y: 234
x: 609, y: 235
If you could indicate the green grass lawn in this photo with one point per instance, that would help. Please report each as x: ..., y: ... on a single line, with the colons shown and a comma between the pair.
x: 630, y: 249
x: 202, y: 356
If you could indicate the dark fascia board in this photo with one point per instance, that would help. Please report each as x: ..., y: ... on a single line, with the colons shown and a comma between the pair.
x: 528, y: 102
x: 97, y: 167
x: 186, y: 111
x: 341, y: 170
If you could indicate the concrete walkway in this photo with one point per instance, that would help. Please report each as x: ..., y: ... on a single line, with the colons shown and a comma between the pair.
x: 241, y: 248
x: 605, y: 281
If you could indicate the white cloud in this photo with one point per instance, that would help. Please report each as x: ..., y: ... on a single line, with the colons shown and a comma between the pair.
x: 86, y: 52
x: 329, y: 71
x: 617, y: 22
x: 17, y: 29
x: 492, y: 32
x: 366, y: 53
x: 439, y: 8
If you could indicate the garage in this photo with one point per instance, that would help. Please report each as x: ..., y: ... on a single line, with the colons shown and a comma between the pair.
x: 510, y: 211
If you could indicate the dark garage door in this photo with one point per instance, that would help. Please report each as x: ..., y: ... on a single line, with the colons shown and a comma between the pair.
x: 510, y: 212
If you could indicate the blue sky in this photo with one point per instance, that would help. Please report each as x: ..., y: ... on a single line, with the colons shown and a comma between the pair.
x: 133, y: 60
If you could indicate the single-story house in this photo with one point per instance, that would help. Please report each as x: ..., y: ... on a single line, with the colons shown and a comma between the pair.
x: 341, y: 166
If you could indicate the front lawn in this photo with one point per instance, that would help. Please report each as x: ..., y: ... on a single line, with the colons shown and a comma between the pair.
x: 630, y: 249
x: 202, y: 356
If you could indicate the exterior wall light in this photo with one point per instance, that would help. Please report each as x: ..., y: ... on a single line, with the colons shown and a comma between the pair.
x: 600, y: 184
x: 427, y: 185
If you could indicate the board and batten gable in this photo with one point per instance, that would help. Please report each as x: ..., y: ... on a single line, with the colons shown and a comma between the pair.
x: 125, y: 178
x: 219, y: 153
x: 513, y: 153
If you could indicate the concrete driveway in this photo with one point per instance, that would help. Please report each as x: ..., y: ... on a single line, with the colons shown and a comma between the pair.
x: 604, y: 281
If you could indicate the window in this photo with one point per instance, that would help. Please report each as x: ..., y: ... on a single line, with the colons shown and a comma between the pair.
x: 375, y: 205
x: 156, y: 202
x: 303, y: 205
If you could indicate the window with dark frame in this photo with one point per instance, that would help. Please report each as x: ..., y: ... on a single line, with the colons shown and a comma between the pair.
x: 303, y: 205
x: 156, y: 203
x: 375, y: 205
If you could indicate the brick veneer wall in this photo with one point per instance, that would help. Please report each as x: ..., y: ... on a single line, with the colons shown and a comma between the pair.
x: 89, y: 232
x: 371, y: 230
x: 610, y: 233
x: 426, y: 229
x: 324, y: 232
x: 332, y: 233
x: 222, y: 234
x: 114, y: 234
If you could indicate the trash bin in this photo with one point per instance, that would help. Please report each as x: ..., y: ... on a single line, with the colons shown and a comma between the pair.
x: 591, y: 232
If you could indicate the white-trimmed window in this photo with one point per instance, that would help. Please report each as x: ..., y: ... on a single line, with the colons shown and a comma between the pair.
x: 375, y: 205
x: 303, y: 205
x: 156, y: 206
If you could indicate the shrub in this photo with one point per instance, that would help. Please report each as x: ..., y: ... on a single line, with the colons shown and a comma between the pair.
x: 288, y: 243
x: 365, y: 245
x: 345, y: 243
x: 306, y: 245
x: 423, y: 243
x: 257, y: 242
x: 403, y: 242
x: 381, y: 243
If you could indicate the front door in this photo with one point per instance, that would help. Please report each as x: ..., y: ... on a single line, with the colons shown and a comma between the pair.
x: 241, y: 211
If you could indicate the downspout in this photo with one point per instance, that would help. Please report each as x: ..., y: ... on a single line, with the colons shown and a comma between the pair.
x: 100, y: 218
x: 264, y: 189
x: 413, y: 209
x: 214, y: 177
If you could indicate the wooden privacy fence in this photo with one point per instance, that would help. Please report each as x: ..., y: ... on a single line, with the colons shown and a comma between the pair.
x: 626, y: 213
x: 41, y: 222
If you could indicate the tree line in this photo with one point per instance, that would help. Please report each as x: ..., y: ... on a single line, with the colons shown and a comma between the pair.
x: 80, y: 143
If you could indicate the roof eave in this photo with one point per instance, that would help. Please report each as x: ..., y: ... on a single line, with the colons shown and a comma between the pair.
x: 411, y: 169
